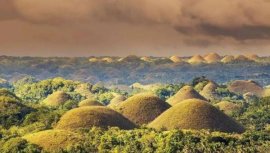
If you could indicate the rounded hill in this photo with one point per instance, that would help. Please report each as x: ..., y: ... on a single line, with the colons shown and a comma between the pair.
x: 116, y: 101
x: 227, y: 59
x: 228, y: 107
x: 197, y: 59
x: 196, y: 115
x: 209, y: 91
x: 143, y: 108
x: 89, y: 102
x: 90, y: 116
x: 56, y: 99
x: 186, y: 92
x: 243, y: 86
x: 176, y: 59
x: 54, y: 140
x: 212, y: 58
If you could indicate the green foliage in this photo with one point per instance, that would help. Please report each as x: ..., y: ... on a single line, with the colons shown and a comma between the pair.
x: 18, y: 145
x: 197, y: 80
x: 12, y: 111
x: 168, y: 91
x: 37, y: 91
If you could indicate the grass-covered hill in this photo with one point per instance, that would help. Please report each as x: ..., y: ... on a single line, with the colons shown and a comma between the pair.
x: 91, y: 116
x: 196, y: 114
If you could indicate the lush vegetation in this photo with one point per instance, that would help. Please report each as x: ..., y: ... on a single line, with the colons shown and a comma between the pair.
x: 24, y: 115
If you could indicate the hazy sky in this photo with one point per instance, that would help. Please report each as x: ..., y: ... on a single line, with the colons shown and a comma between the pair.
x: 141, y: 27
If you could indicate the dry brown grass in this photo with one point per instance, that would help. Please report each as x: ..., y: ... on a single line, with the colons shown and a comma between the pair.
x: 228, y: 107
x: 187, y: 92
x: 176, y: 59
x: 212, y: 58
x: 89, y: 102
x: 196, y: 115
x: 116, y: 101
x: 242, y: 87
x: 56, y: 99
x: 90, y: 116
x: 209, y: 91
x: 197, y: 59
x: 143, y: 108
x: 227, y: 59
x: 107, y: 59
x: 54, y: 140
x: 146, y: 59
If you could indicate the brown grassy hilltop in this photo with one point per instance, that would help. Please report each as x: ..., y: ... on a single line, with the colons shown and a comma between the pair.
x: 54, y: 140
x: 242, y: 58
x: 253, y: 57
x: 209, y: 91
x: 116, y: 101
x: 195, y: 114
x: 176, y: 59
x: 143, y: 108
x: 228, y: 107
x: 242, y: 87
x: 186, y: 92
x: 196, y: 59
x: 56, y: 99
x: 107, y: 59
x: 212, y: 58
x: 89, y: 102
x: 146, y: 59
x: 227, y: 59
x: 90, y: 116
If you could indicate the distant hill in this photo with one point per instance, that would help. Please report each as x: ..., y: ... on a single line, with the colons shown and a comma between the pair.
x: 130, y: 69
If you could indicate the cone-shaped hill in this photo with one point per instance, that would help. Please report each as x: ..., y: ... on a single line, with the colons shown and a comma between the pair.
x: 57, y: 98
x: 176, y: 59
x: 212, y: 58
x: 227, y: 59
x: 54, y: 140
x: 209, y: 91
x: 242, y: 58
x: 196, y: 115
x: 146, y: 59
x: 89, y: 102
x: 130, y: 58
x: 116, y: 101
x: 143, y: 108
x: 197, y: 59
x: 242, y: 87
x: 253, y: 57
x: 228, y: 107
x: 186, y: 92
x: 90, y: 116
